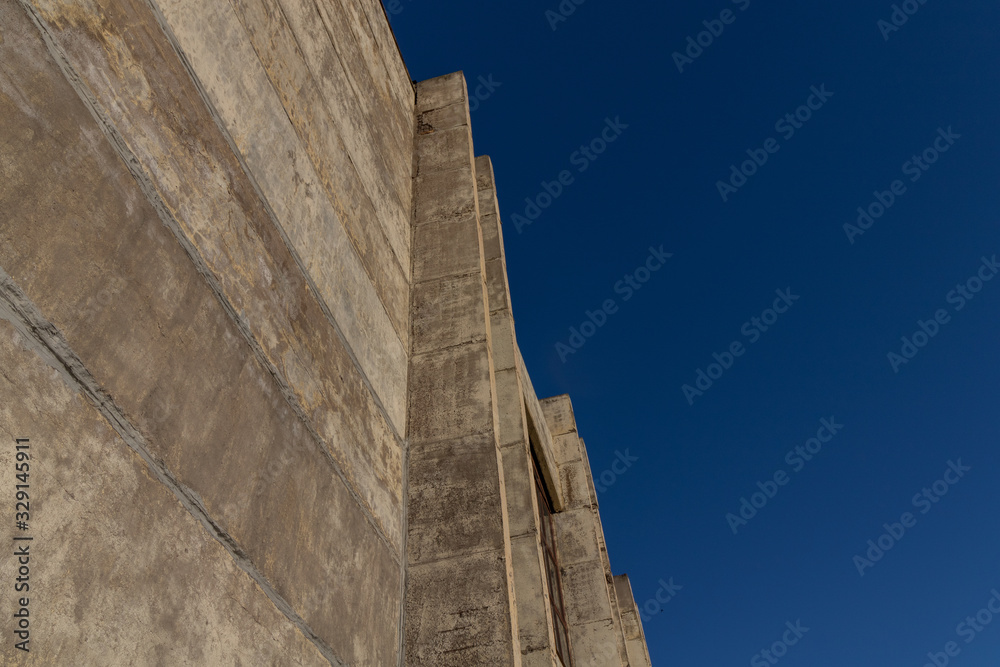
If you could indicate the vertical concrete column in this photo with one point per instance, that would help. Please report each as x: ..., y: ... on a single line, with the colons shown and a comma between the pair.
x: 635, y: 638
x: 616, y: 614
x: 589, y: 611
x: 460, y: 607
x: 534, y: 624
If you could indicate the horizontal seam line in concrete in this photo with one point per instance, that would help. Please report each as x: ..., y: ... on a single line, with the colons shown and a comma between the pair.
x: 272, y: 216
x: 329, y: 114
x: 348, y: 75
x: 438, y: 128
x: 606, y: 619
x: 455, y: 438
x: 533, y: 532
x: 498, y: 549
x: 120, y: 147
x: 49, y: 341
x: 437, y: 171
x: 455, y: 216
x: 450, y: 276
x: 453, y: 346
x: 368, y: 272
x: 420, y: 111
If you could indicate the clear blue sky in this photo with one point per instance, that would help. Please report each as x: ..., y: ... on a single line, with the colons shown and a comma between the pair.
x: 826, y: 357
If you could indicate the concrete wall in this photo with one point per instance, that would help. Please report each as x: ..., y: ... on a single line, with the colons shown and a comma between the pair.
x: 460, y: 604
x: 319, y: 110
x: 635, y: 638
x: 181, y: 235
x: 255, y: 320
x: 534, y: 618
x: 595, y: 628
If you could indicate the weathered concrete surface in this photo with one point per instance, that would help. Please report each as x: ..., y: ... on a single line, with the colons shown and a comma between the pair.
x: 534, y: 618
x: 385, y: 43
x: 608, y: 575
x: 460, y: 602
x: 323, y: 172
x: 266, y: 264
x: 108, y: 583
x: 216, y: 351
x: 542, y: 436
x: 559, y: 416
x: 336, y: 38
x: 594, y: 626
x: 168, y: 135
x: 635, y: 638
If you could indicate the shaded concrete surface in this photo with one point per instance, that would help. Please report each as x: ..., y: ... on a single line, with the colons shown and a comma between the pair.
x: 256, y: 322
x: 460, y: 605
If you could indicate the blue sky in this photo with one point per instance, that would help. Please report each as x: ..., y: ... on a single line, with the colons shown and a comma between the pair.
x: 865, y: 101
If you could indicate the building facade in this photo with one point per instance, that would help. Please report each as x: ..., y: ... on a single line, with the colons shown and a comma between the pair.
x: 255, y: 328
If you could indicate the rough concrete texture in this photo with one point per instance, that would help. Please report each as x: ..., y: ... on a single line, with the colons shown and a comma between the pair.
x: 530, y: 590
x: 460, y: 602
x: 605, y: 561
x: 610, y: 583
x: 493, y: 251
x: 559, y: 414
x: 219, y: 354
x: 538, y: 430
x: 324, y: 171
x: 594, y: 626
x: 149, y: 591
x: 255, y: 317
x: 635, y: 638
x: 165, y: 135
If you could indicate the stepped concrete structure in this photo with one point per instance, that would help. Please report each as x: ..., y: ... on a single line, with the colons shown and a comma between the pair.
x: 258, y: 366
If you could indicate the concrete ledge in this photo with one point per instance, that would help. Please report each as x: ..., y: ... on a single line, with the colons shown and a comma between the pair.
x: 542, y: 438
x: 446, y: 248
x: 635, y: 638
x: 559, y: 414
